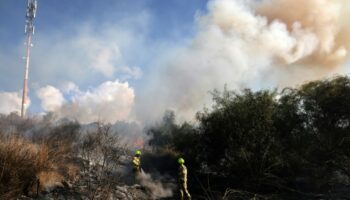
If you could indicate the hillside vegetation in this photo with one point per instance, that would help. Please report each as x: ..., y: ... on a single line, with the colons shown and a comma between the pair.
x: 293, y: 144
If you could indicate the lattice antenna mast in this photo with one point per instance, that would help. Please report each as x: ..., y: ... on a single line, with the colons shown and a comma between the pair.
x: 29, y: 30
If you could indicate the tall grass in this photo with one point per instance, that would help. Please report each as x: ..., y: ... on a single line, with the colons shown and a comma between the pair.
x: 23, y: 163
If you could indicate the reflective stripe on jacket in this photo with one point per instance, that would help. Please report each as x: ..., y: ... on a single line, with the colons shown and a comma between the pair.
x: 183, y: 173
x: 136, y: 162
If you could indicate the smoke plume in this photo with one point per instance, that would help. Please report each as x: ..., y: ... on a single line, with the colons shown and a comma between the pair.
x: 109, y: 102
x: 156, y: 188
x: 255, y: 44
x: 51, y: 97
x: 239, y: 43
x: 11, y: 102
x: 325, y: 20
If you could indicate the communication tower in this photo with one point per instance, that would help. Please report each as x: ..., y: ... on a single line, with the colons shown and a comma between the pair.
x: 29, y: 30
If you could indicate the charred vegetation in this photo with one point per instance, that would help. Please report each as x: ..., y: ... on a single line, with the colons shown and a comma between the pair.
x: 293, y: 144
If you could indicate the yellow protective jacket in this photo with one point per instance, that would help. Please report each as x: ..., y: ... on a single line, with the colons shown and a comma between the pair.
x: 183, y: 173
x: 136, y: 163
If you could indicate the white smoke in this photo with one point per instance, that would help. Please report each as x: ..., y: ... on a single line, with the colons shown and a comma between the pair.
x: 156, y: 188
x: 326, y: 20
x: 105, y: 56
x: 51, y: 98
x: 239, y: 44
x: 109, y: 102
x: 11, y: 102
x: 68, y: 87
x: 93, y: 51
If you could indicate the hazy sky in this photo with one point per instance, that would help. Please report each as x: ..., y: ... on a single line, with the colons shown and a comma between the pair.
x: 69, y: 33
x: 131, y: 60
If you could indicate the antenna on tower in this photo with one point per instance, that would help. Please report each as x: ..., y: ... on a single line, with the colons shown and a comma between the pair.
x: 29, y: 30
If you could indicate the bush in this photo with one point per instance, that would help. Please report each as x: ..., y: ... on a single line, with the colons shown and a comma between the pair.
x: 21, y: 162
x: 264, y: 141
x: 47, y: 157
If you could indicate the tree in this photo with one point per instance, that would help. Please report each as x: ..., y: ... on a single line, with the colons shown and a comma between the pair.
x: 239, y: 136
x: 161, y: 134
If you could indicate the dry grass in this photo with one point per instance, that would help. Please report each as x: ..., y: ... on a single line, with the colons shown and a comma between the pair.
x: 51, y: 155
x: 72, y: 172
x: 23, y: 162
x: 50, y: 179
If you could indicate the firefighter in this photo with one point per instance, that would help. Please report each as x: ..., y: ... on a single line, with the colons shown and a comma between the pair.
x: 136, y: 162
x: 183, y: 180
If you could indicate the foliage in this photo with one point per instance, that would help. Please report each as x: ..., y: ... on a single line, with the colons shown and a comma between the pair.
x: 24, y: 162
x: 294, y: 140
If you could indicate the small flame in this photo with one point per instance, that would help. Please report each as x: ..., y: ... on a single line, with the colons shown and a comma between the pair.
x: 139, y: 143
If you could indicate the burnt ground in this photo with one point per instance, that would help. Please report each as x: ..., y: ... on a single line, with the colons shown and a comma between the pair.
x: 157, y: 184
x: 118, y: 184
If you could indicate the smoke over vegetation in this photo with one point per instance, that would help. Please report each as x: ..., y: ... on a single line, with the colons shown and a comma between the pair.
x: 109, y: 102
x: 10, y: 101
x: 237, y: 43
x: 325, y: 21
x: 51, y: 98
x: 156, y: 188
x: 255, y: 44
